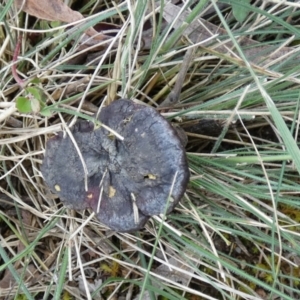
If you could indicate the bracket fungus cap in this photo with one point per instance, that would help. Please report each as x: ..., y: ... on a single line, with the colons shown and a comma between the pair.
x: 124, y: 181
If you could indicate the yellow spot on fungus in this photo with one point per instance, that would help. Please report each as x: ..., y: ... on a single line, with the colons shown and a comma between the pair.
x: 90, y: 195
x: 150, y: 176
x: 57, y: 188
x: 111, y: 136
x: 111, y: 191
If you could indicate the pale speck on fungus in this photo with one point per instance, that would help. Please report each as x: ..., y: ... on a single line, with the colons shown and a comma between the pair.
x: 133, y: 178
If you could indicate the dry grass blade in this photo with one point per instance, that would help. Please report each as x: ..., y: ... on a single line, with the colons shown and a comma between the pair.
x: 206, y: 30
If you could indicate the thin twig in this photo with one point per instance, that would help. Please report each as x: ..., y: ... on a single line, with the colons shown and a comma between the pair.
x: 173, y: 97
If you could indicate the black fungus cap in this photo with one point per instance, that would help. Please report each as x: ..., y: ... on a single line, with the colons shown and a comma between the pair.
x: 128, y: 180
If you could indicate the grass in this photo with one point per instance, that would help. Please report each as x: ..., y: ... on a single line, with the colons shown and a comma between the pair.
x: 235, y: 234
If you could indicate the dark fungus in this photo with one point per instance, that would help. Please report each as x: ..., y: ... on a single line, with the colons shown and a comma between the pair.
x: 124, y: 181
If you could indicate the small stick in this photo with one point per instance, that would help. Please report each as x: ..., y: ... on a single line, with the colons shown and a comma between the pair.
x: 173, y: 97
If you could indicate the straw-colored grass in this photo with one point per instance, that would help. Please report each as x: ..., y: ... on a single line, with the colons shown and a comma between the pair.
x: 235, y: 234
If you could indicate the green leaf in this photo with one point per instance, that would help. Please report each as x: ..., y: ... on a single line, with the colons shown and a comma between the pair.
x: 46, y: 112
x: 35, y: 81
x: 35, y: 92
x: 55, y: 24
x: 240, y: 12
x: 23, y: 105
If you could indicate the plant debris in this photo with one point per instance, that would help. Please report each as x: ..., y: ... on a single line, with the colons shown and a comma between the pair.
x: 126, y: 181
x: 57, y: 10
